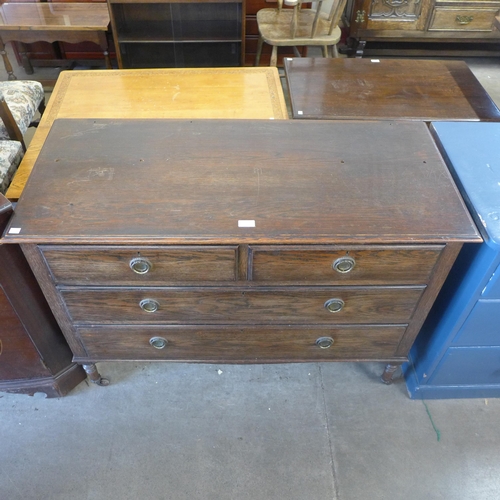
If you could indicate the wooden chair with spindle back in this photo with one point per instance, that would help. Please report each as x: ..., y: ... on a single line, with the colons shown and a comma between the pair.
x: 299, y: 27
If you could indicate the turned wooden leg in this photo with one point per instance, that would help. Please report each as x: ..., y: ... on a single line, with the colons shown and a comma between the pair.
x: 6, y: 62
x: 105, y: 50
x: 388, y: 374
x: 94, y: 375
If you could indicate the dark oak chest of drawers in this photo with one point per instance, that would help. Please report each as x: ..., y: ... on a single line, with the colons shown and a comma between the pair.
x: 248, y: 241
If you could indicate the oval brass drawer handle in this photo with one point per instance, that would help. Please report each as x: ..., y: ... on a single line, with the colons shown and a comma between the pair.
x: 464, y: 19
x: 140, y: 265
x: 324, y: 342
x: 344, y: 264
x: 149, y: 305
x: 334, y: 305
x: 158, y: 342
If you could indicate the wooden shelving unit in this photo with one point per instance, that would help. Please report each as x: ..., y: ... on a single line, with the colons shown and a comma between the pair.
x: 184, y: 33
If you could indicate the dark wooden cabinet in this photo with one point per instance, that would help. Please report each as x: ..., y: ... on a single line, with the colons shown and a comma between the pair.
x: 34, y: 356
x: 177, y: 34
x: 240, y: 241
x: 434, y: 27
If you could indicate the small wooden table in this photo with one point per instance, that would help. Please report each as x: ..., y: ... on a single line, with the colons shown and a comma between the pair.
x: 386, y: 89
x: 52, y: 22
x: 156, y: 93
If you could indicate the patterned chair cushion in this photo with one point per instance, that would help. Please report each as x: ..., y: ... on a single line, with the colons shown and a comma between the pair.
x: 23, y: 98
x: 11, y: 154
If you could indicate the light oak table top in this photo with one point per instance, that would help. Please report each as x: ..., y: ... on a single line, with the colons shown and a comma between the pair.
x: 251, y: 93
x: 386, y: 89
x: 60, y: 16
x: 52, y: 22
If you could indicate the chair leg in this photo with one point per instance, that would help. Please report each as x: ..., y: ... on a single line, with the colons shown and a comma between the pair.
x: 324, y: 50
x: 260, y: 43
x: 10, y: 124
x: 335, y: 51
x: 41, y: 109
x: 274, y: 56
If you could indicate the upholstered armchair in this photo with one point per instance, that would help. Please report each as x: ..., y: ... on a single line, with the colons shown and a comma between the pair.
x: 19, y: 102
x: 11, y: 154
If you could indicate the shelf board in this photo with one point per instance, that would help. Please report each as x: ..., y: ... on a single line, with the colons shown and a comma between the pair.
x: 180, y: 40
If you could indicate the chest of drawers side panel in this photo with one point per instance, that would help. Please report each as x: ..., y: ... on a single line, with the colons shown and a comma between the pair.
x: 446, y: 260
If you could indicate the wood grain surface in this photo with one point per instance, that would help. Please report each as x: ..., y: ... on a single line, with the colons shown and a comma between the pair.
x: 386, y: 89
x: 228, y: 93
x: 175, y: 182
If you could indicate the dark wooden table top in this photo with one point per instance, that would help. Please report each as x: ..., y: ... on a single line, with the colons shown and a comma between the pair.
x: 201, y: 181
x: 394, y: 89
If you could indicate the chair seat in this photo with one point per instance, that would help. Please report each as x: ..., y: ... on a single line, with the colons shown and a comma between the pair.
x: 274, y: 27
x: 11, y: 154
x: 23, y: 98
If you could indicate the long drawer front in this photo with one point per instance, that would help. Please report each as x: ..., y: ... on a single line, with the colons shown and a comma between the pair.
x: 246, y: 344
x: 212, y: 305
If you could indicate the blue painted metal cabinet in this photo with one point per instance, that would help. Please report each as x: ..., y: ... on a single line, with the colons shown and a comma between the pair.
x: 457, y: 352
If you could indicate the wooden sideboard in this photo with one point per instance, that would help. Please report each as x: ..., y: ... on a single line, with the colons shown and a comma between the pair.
x: 420, y: 27
x: 240, y: 241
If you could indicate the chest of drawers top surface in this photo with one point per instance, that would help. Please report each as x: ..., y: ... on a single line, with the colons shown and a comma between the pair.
x: 189, y: 182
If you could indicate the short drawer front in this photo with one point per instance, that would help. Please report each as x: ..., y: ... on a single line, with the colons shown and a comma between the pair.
x: 153, y: 265
x: 462, y: 19
x: 300, y: 305
x: 355, y: 266
x: 245, y: 344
